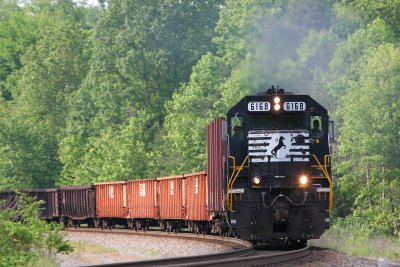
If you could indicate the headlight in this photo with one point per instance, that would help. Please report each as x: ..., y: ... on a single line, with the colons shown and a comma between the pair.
x: 303, y: 180
x: 277, y: 107
x: 256, y: 180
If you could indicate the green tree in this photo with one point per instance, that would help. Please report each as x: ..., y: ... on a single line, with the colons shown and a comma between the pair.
x: 27, y: 155
x: 370, y: 141
x: 34, y: 121
x: 18, y: 30
x: 360, y: 13
x: 188, y: 114
x: 142, y: 52
x: 348, y: 57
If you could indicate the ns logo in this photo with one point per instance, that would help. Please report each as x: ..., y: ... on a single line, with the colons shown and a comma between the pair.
x: 281, y: 144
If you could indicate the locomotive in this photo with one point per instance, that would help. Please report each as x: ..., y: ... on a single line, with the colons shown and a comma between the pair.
x: 268, y: 178
x: 278, y: 172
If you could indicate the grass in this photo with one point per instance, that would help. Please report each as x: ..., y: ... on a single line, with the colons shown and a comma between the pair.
x: 79, y: 248
x: 44, y: 262
x: 357, y: 244
x: 90, y: 248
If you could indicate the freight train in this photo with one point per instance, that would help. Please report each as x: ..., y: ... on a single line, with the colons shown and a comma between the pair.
x: 268, y: 178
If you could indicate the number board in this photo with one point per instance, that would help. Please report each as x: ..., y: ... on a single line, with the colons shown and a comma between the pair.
x: 258, y: 106
x: 294, y: 106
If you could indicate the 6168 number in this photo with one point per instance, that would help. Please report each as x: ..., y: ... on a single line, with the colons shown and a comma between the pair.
x: 294, y: 106
x: 258, y: 106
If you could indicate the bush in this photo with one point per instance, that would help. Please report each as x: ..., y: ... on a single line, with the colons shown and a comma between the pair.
x: 25, y: 236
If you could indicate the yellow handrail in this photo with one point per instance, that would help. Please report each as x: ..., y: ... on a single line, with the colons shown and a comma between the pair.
x: 326, y: 173
x: 234, y: 161
x: 230, y: 178
x: 233, y: 169
x: 232, y: 181
x: 326, y: 160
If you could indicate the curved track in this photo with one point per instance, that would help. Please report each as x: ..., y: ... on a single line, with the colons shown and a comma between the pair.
x: 243, y: 255
x: 247, y: 257
x: 238, y: 243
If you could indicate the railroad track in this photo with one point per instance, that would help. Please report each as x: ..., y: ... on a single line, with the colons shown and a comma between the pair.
x: 244, y: 255
x: 182, y: 235
x: 247, y: 257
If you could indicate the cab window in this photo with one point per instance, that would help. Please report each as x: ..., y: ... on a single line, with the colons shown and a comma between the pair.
x: 283, y: 121
x: 316, y: 129
x: 237, y: 127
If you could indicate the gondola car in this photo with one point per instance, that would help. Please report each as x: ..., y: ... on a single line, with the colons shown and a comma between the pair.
x: 49, y: 208
x: 77, y: 205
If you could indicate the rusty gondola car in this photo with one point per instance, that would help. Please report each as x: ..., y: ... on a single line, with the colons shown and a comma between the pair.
x: 50, y: 207
x: 142, y: 203
x: 9, y: 199
x: 197, y: 212
x: 171, y: 202
x: 77, y: 205
x: 111, y: 204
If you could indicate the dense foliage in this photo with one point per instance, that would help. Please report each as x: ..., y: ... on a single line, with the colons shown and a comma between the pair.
x: 25, y: 237
x: 125, y: 90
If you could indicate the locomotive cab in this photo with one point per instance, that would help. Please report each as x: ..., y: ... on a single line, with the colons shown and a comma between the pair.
x: 278, y: 183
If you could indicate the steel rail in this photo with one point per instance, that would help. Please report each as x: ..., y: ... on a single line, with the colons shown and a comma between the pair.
x: 185, y: 261
x: 238, y: 258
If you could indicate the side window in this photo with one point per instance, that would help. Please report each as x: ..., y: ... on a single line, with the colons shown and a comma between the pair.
x: 316, y: 127
x: 237, y: 124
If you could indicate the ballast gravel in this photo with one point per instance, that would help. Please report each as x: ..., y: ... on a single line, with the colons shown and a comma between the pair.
x: 331, y: 258
x: 97, y: 248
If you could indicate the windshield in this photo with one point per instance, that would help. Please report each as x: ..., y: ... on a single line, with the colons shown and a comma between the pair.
x: 281, y: 121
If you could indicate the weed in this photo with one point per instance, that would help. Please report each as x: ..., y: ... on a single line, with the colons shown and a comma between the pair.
x: 359, y: 241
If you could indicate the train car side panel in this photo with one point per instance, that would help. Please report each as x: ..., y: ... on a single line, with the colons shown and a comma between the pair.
x: 8, y: 199
x: 50, y: 207
x: 196, y: 197
x: 216, y: 158
x: 78, y: 202
x: 111, y: 200
x: 142, y: 199
x: 171, y: 200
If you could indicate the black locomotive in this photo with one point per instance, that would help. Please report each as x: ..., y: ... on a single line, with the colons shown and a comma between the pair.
x: 278, y: 171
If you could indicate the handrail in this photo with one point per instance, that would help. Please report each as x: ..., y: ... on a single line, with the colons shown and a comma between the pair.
x: 232, y: 181
x: 326, y: 173
x: 233, y: 169
x: 326, y: 160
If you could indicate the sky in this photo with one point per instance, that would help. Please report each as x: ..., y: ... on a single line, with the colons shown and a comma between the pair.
x: 89, y: 2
